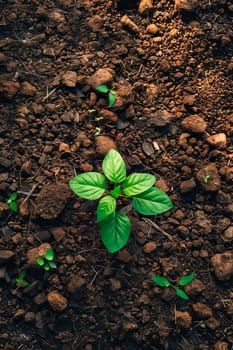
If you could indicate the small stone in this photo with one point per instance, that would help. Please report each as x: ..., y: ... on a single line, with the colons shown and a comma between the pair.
x: 195, y: 287
x: 149, y: 247
x: 104, y: 144
x: 186, y: 5
x: 64, y: 148
x: 194, y: 124
x: 4, y: 210
x: 148, y: 148
x: 221, y: 345
x: 107, y: 114
x: 40, y: 299
x: 27, y: 89
x: 85, y: 167
x: 184, y: 319
x: 115, y: 283
x: 124, y: 96
x: 6, y: 256
x: 58, y: 233
x: 69, y: 79
x: 209, y: 178
x: 228, y: 234
x: 37, y: 252
x: 218, y: 140
x: 223, y: 265
x: 95, y: 23
x: 189, y: 100
x: 29, y: 317
x: 9, y: 88
x: 57, y: 301
x: 76, y: 284
x: 161, y: 183
x: 152, y: 29
x: 202, y: 310
x: 129, y: 24
x: 145, y: 6
x: 212, y: 323
x: 26, y: 168
x: 124, y: 256
x: 188, y: 185
x: 102, y: 76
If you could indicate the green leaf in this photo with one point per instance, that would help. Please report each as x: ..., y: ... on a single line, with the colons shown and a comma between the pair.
x: 13, y: 196
x: 46, y: 267
x: 161, y: 281
x: 49, y: 254
x: 111, y: 97
x: 184, y: 280
x: 24, y: 283
x: 15, y: 280
x: 13, y: 206
x: 106, y: 206
x: 114, y: 166
x: 40, y: 261
x: 52, y: 264
x: 22, y: 274
x: 90, y: 185
x: 102, y: 88
x: 137, y: 183
x: 152, y: 202
x: 116, y: 191
x: 181, y: 294
x: 115, y: 231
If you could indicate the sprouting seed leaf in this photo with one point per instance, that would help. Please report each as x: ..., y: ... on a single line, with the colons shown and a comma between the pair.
x: 46, y: 267
x: 90, y: 185
x: 24, y: 283
x: 13, y: 196
x: 15, y: 280
x: 49, y: 254
x: 22, y: 274
x: 181, y: 294
x: 102, y: 88
x: 115, y: 230
x: 97, y: 131
x: 106, y: 206
x: 52, y: 264
x: 184, y: 280
x: 13, y: 206
x: 152, y: 202
x: 91, y: 110
x: 111, y: 97
x: 114, y: 167
x: 137, y: 183
x: 40, y: 261
x: 116, y: 191
x: 161, y: 281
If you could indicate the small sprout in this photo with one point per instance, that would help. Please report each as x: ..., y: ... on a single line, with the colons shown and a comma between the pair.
x: 97, y: 131
x: 183, y: 281
x: 91, y: 110
x: 47, y: 263
x: 99, y: 118
x: 20, y: 281
x: 11, y: 202
x: 111, y: 93
x: 206, y: 178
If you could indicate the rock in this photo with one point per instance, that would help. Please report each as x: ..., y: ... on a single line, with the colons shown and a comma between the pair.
x: 51, y: 201
x: 58, y: 233
x: 40, y: 299
x: 27, y: 89
x: 160, y: 183
x: 209, y: 178
x: 212, y: 323
x: 69, y: 79
x: 202, y: 310
x: 194, y: 124
x: 102, y: 76
x: 8, y: 89
x: 149, y: 247
x: 195, y: 287
x: 228, y: 234
x: 107, y: 114
x: 76, y: 284
x: 124, y: 96
x: 189, y: 100
x: 29, y: 317
x: 152, y: 29
x: 6, y: 256
x: 86, y: 167
x: 148, y: 148
x: 218, y: 140
x: 160, y: 118
x: 104, y: 144
x: 64, y: 148
x: 128, y: 23
x: 115, y: 283
x: 223, y: 265
x: 184, y: 319
x: 188, y: 185
x: 26, y: 168
x: 57, y: 301
x: 95, y: 23
x: 186, y: 5
x: 145, y: 6
x: 37, y: 252
x: 4, y: 210
x: 221, y: 345
x: 124, y: 255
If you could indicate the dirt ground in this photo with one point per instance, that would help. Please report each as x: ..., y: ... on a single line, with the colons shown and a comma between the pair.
x: 171, y: 66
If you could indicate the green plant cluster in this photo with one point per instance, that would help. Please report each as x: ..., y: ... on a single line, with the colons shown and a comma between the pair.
x: 20, y: 281
x: 48, y: 262
x: 146, y: 199
x: 111, y: 93
x: 11, y: 201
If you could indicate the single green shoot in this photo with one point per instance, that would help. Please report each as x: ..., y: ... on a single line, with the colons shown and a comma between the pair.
x: 111, y: 93
x: 48, y: 261
x: 11, y: 201
x: 206, y: 178
x: 20, y: 281
x: 115, y: 227
x: 183, y: 281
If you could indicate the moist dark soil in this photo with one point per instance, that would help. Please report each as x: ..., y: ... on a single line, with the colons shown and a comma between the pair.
x: 171, y: 66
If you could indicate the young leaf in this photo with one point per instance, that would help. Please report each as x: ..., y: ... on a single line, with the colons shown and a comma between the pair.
x: 114, y: 166
x: 46, y: 267
x: 15, y: 280
x: 106, y: 206
x: 186, y: 279
x: 137, y: 183
x: 13, y: 206
x: 115, y: 230
x: 152, y: 202
x: 161, y: 281
x: 49, y: 254
x: 40, y: 261
x: 111, y: 97
x: 90, y: 185
x: 181, y: 294
x: 24, y: 283
x: 116, y: 191
x: 52, y: 264
x: 13, y: 196
x: 22, y: 274
x: 102, y: 88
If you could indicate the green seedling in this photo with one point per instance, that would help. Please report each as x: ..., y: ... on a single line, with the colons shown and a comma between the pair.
x: 48, y: 262
x: 12, y: 202
x: 146, y: 199
x: 20, y: 281
x: 183, y: 281
x: 111, y: 93
x: 206, y: 178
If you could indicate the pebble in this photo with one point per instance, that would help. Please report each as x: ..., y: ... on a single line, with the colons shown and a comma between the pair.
x: 37, y: 252
x: 152, y: 29
x: 145, y: 6
x: 223, y: 265
x: 212, y: 323
x: 184, y: 319
x: 194, y: 124
x: 75, y: 284
x: 58, y: 233
x: 29, y: 316
x: 5, y: 256
x: 124, y: 256
x: 228, y: 234
x: 115, y: 283
x: 40, y: 299
x: 218, y: 141
x: 69, y: 79
x: 104, y: 144
x: 95, y: 23
x: 57, y: 301
x: 195, y: 287
x: 27, y: 89
x: 129, y: 24
x: 9, y: 88
x: 209, y: 178
x: 148, y: 148
x: 110, y: 115
x: 221, y: 345
x: 124, y: 96
x: 188, y: 185
x: 149, y: 247
x: 186, y: 5
x: 202, y: 310
x: 189, y: 100
x: 102, y: 76
x: 4, y: 210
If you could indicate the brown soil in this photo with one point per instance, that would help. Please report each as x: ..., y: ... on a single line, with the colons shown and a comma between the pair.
x: 171, y: 67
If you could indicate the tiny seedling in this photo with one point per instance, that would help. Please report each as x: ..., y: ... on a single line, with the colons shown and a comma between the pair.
x: 20, y: 281
x: 183, y: 281
x: 11, y: 201
x: 48, y: 262
x: 111, y: 93
x: 206, y: 178
x: 146, y: 199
